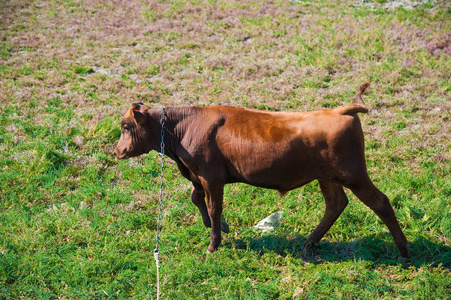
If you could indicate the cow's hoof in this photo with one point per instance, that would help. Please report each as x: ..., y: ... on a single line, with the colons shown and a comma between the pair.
x: 404, y: 252
x: 209, y: 252
x: 309, y: 244
x: 404, y: 260
x: 308, y: 247
x: 224, y: 227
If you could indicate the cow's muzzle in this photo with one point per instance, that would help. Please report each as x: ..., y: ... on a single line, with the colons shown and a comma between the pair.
x: 120, y: 154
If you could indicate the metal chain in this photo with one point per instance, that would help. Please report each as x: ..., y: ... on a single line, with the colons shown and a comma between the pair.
x: 160, y: 199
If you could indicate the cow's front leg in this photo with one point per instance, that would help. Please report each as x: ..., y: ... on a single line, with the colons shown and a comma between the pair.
x: 214, y: 196
x: 198, y: 198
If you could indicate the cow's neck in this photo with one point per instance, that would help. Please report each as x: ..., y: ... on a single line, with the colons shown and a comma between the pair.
x: 177, y: 120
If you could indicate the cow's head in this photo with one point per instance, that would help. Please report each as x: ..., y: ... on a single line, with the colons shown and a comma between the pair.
x: 133, y: 140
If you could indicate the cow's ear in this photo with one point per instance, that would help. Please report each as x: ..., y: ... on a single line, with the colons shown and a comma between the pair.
x: 138, y: 111
x: 140, y: 117
x: 137, y: 105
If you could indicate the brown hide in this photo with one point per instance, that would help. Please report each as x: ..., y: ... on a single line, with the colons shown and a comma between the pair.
x: 216, y: 145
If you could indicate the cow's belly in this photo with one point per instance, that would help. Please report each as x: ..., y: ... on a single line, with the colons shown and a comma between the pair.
x: 281, y: 169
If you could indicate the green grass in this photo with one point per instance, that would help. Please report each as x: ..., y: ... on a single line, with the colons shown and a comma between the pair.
x: 75, y: 223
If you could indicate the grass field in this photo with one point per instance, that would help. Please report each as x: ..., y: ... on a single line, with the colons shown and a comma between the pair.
x: 75, y: 223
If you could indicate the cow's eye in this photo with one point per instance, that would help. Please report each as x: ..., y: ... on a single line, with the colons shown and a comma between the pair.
x: 126, y: 129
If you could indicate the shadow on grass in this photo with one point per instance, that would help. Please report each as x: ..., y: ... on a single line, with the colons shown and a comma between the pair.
x: 370, y: 248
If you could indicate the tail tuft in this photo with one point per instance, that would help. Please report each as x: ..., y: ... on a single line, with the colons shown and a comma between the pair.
x: 363, y: 87
x: 358, y: 97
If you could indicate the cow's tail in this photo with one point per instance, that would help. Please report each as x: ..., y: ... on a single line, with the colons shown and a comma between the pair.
x: 352, y: 109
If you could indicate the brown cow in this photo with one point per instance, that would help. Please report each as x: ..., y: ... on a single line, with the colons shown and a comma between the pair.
x: 216, y: 145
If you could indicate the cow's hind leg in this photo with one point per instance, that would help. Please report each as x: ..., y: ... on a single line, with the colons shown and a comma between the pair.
x: 336, y: 201
x: 379, y: 203
x: 198, y: 198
